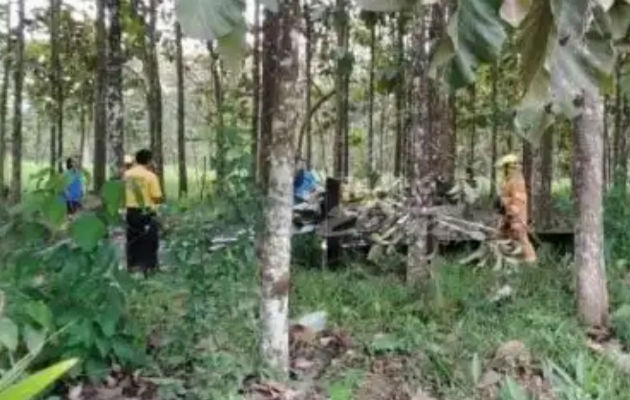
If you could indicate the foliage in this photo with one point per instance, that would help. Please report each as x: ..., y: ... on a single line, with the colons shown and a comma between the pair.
x: 64, y: 275
x: 33, y: 385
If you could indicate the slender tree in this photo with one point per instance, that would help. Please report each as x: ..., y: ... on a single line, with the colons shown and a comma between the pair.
x: 494, y: 78
x: 115, y: 106
x: 472, y: 138
x: 256, y: 92
x: 155, y: 87
x: 18, y: 78
x: 371, y: 23
x: 4, y: 94
x: 342, y: 73
x: 400, y: 93
x: 56, y: 86
x: 100, y: 99
x: 271, y: 28
x: 592, y: 294
x: 417, y: 258
x: 275, y: 240
x: 181, y: 113
x: 309, y: 83
x: 219, y: 112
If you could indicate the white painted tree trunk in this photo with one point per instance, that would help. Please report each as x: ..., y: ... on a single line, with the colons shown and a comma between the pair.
x: 592, y: 295
x: 274, y: 247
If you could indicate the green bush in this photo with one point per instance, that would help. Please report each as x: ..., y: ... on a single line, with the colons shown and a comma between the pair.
x: 64, y: 276
x: 621, y: 324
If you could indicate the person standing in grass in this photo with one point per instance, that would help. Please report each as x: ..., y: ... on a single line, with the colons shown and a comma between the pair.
x: 73, y: 192
x: 142, y: 195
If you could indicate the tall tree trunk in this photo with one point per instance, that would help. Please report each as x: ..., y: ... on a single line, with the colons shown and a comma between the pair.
x: 181, y: 114
x: 370, y: 157
x: 342, y: 71
x: 528, y: 161
x: 155, y: 109
x: 275, y: 239
x: 400, y: 94
x: 541, y: 178
x: 620, y: 140
x: 220, y: 123
x: 271, y: 31
x: 381, y: 133
x: 53, y: 144
x: 18, y: 77
x: 4, y: 94
x: 309, y: 82
x: 472, y: 138
x: 100, y: 99
x: 56, y: 80
x: 495, y: 128
x: 83, y: 132
x: 256, y: 94
x: 418, y: 265
x: 115, y: 106
x: 592, y: 295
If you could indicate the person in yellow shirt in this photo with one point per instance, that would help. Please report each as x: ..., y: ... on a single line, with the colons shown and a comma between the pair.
x: 513, y: 195
x: 142, y: 195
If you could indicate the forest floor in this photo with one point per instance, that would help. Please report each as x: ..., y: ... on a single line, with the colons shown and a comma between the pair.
x: 463, y: 336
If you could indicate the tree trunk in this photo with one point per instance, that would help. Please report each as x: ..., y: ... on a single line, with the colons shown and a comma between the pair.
x: 100, y: 100
x: 309, y: 82
x: 256, y: 94
x: 472, y: 139
x: 370, y: 157
x: 18, y: 77
x: 53, y: 145
x: 620, y: 141
x: 83, y: 138
x: 275, y: 239
x: 541, y: 178
x: 115, y: 106
x: 220, y: 124
x: 418, y: 263
x: 340, y: 169
x: 400, y: 94
x: 4, y: 93
x: 56, y: 80
x: 495, y: 129
x: 155, y: 109
x: 271, y: 30
x: 592, y: 295
x: 528, y: 160
x: 181, y: 114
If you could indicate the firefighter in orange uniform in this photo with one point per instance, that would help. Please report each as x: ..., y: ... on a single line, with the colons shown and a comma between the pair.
x: 513, y: 195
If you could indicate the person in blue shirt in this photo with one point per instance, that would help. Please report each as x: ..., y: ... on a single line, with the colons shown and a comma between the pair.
x: 73, y: 192
x: 304, y: 183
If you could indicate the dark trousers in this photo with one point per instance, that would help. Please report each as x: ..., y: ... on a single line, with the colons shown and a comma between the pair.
x: 73, y: 206
x: 142, y: 240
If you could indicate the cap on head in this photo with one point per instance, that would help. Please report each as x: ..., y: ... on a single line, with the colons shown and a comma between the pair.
x: 128, y: 159
x: 508, y: 160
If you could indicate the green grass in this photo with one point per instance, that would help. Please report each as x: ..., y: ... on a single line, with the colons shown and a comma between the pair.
x: 444, y: 325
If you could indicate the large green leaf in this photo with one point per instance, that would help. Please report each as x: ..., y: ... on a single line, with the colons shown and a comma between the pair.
x: 475, y: 35
x: 37, y: 383
x: 8, y: 334
x: 87, y: 230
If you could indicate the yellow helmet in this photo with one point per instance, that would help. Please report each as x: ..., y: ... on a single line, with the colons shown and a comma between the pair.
x: 507, y: 160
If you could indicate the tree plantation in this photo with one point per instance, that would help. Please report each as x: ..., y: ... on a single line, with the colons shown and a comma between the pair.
x: 315, y: 199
